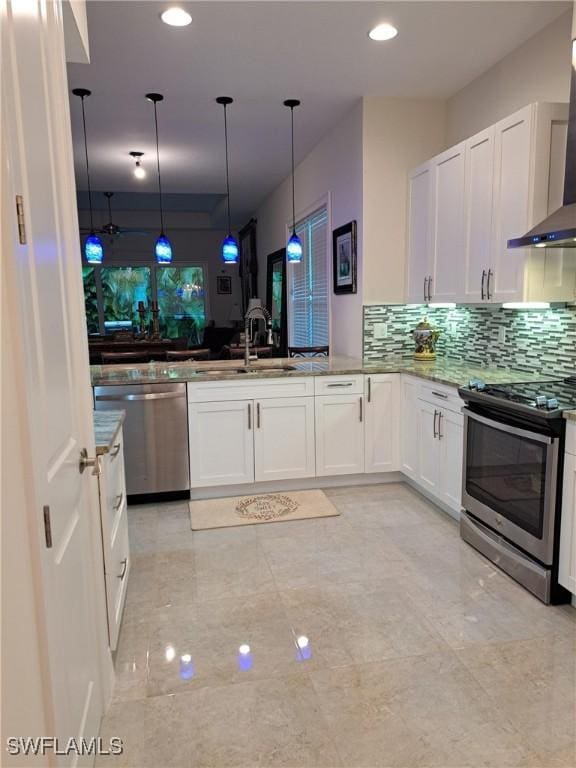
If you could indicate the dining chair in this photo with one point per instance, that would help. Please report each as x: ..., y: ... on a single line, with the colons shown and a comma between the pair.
x: 308, y: 351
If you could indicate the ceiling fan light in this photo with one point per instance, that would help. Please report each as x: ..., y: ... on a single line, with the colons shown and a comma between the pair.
x: 229, y: 250
x: 93, y: 250
x: 139, y: 172
x: 294, y: 249
x: 163, y: 250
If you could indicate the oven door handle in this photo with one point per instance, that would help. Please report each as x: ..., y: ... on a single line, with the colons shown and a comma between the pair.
x: 468, y: 414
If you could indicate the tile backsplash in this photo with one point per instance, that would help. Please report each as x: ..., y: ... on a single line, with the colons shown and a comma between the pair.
x: 531, y: 340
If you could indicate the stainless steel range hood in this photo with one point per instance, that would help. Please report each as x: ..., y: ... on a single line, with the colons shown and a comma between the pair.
x: 559, y: 229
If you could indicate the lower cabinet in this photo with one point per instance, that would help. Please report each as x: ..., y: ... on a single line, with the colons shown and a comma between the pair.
x: 284, y: 438
x: 246, y: 441
x: 409, y: 426
x: 382, y: 423
x: 221, y: 442
x: 567, y: 564
x: 432, y: 440
x: 115, y: 544
x: 339, y: 434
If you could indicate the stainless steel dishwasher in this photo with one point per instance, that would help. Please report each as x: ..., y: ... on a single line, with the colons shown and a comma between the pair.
x: 155, y: 434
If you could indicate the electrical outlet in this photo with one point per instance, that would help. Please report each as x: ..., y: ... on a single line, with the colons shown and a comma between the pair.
x: 502, y: 335
x: 381, y: 330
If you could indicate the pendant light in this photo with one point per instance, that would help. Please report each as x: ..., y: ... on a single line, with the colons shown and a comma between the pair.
x: 163, y: 248
x: 294, y: 245
x: 93, y: 250
x: 229, y: 244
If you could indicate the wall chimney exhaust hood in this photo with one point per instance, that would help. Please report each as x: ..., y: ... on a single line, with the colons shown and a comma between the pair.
x: 559, y: 229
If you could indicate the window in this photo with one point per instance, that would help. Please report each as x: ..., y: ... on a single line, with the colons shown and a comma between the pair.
x: 181, y: 296
x: 112, y: 294
x: 308, y: 309
x: 122, y: 289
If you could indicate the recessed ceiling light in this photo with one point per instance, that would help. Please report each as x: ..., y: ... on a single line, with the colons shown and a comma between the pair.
x: 176, y: 17
x: 383, y: 32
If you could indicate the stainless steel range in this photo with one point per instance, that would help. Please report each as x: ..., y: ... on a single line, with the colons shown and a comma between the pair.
x: 512, y: 478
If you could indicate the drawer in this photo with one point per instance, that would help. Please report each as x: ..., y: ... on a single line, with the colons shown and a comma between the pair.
x: 352, y: 384
x: 250, y: 389
x: 112, y: 465
x: 117, y: 570
x: 441, y: 395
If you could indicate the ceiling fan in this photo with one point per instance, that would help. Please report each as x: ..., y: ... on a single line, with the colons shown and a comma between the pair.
x: 111, y: 229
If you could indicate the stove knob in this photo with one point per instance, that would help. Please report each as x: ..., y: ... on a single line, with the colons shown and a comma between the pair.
x: 480, y: 386
x: 540, y: 401
x: 552, y: 403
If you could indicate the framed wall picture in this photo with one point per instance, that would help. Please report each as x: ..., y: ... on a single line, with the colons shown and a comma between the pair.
x: 224, y: 284
x: 344, y: 258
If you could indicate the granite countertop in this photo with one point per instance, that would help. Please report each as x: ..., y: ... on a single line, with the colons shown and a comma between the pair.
x: 443, y: 370
x: 106, y: 426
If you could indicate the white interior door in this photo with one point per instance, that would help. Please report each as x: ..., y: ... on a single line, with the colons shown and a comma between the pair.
x: 284, y: 438
x: 221, y: 443
x: 47, y: 295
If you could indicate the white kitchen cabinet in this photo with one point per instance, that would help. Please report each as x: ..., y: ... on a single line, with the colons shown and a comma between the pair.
x: 409, y: 426
x: 221, y: 442
x: 419, y: 262
x: 451, y: 445
x: 428, y: 448
x: 284, y: 444
x: 567, y: 561
x: 479, y: 195
x: 382, y: 423
x: 469, y: 201
x: 114, y: 526
x: 339, y: 434
x: 448, y: 211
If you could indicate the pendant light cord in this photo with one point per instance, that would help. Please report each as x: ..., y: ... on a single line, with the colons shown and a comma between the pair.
x: 87, y: 168
x: 227, y: 168
x: 159, y: 176
x: 293, y: 198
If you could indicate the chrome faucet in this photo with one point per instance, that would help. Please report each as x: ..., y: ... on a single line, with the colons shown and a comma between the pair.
x: 256, y: 311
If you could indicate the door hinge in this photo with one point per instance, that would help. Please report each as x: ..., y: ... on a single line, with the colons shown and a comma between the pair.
x: 21, y: 219
x: 47, y: 526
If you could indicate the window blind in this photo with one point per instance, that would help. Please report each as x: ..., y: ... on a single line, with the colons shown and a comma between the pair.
x: 308, y: 308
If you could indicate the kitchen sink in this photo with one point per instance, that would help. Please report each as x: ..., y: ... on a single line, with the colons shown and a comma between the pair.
x: 250, y: 369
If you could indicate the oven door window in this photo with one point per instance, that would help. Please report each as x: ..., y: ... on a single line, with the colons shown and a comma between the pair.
x: 507, y: 473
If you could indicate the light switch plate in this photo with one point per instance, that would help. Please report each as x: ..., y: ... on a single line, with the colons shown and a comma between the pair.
x: 380, y: 330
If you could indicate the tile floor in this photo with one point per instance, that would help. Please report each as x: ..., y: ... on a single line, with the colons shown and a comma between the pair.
x: 377, y: 638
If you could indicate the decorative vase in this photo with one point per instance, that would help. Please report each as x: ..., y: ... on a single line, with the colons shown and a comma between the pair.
x: 425, y: 337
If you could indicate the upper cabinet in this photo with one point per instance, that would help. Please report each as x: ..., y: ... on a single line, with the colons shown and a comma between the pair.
x: 494, y: 186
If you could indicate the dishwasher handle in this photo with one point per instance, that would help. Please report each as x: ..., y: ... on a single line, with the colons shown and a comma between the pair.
x: 148, y: 396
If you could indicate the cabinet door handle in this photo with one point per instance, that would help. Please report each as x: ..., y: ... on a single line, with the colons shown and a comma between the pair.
x: 425, y: 289
x: 490, y: 274
x: 341, y: 384
x: 482, y: 283
x: 361, y: 408
x: 369, y: 388
x: 258, y: 415
x: 119, y: 500
x: 124, y: 564
x: 249, y: 415
x: 115, y: 451
x: 443, y: 395
x: 434, y: 423
x: 430, y: 288
x: 440, y: 417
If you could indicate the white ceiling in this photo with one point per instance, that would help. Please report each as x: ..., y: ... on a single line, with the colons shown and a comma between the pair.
x: 261, y: 53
